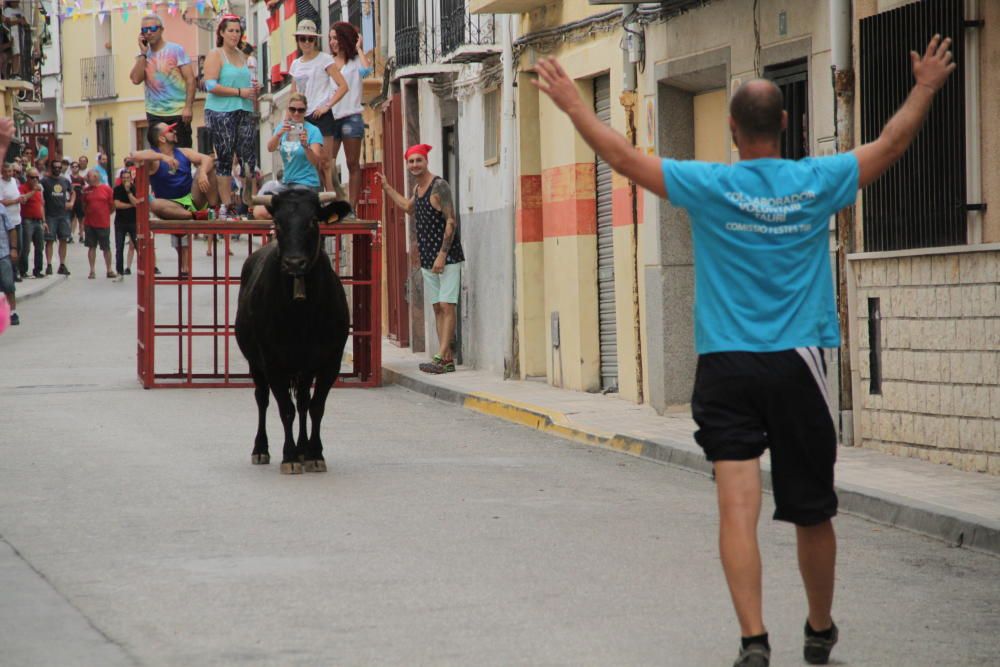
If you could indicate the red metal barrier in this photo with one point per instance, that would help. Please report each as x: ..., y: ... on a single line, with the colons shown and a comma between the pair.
x: 206, y: 353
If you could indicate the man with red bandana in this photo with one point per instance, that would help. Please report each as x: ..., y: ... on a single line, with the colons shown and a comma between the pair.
x: 433, y: 208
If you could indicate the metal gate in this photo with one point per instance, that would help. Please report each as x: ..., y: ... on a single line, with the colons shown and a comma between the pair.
x: 397, y: 262
x: 605, y: 250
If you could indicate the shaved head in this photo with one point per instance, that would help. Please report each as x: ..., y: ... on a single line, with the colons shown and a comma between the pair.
x: 757, y: 108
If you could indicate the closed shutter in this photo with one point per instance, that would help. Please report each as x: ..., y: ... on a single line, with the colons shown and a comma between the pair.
x: 605, y: 250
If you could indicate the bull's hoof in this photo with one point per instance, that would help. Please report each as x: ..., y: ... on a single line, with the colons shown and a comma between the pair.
x: 315, y: 466
x: 291, y: 468
x: 260, y: 459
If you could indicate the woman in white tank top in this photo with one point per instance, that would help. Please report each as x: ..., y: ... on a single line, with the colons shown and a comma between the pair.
x: 349, y: 125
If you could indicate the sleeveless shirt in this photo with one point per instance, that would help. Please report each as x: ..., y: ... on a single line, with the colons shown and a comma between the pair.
x: 167, y: 185
x: 431, y: 224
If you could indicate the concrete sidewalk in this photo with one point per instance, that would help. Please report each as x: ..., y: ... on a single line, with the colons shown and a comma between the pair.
x: 959, y: 507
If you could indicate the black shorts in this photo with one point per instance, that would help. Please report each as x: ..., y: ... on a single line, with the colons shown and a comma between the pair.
x: 325, y: 124
x: 183, y: 129
x: 746, y: 402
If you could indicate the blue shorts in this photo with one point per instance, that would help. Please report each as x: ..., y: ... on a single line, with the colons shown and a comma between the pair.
x: 349, y: 127
x: 443, y: 287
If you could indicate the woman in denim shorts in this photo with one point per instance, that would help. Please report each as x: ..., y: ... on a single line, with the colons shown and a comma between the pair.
x: 348, y: 124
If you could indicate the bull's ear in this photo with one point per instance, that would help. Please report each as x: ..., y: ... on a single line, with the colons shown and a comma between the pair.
x: 334, y: 211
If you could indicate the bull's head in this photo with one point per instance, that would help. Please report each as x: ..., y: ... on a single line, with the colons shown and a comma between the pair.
x: 297, y: 213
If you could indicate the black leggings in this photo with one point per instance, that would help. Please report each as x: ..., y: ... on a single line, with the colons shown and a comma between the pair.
x: 123, y: 229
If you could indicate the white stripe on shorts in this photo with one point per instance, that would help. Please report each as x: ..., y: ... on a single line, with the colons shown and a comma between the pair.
x: 814, y: 362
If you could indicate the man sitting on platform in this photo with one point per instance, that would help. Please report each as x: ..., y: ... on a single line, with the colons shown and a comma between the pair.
x: 179, y: 193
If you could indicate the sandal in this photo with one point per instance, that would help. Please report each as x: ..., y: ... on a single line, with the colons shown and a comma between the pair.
x: 92, y: 275
x: 112, y: 274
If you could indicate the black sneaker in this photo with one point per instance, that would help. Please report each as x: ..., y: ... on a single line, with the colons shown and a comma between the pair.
x: 755, y: 655
x: 37, y: 274
x: 127, y: 272
x: 63, y: 271
x: 156, y: 270
x: 14, y: 320
x: 48, y: 270
x: 817, y: 648
x: 17, y: 278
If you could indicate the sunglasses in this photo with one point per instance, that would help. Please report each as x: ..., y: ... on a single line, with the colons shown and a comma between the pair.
x: 149, y: 29
x: 30, y: 177
x: 297, y: 109
x: 303, y: 38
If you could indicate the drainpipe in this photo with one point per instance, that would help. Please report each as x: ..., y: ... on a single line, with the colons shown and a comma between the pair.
x: 841, y: 30
x: 510, y: 162
x: 383, y: 28
x: 973, y: 159
x: 631, y: 48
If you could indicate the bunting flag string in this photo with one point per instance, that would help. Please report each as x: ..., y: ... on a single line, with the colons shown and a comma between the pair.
x: 73, y: 10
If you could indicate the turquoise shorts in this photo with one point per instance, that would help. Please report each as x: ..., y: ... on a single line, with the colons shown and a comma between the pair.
x: 443, y: 287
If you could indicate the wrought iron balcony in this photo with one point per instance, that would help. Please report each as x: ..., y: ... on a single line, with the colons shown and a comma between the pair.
x: 442, y: 33
x: 466, y: 37
x: 97, y: 78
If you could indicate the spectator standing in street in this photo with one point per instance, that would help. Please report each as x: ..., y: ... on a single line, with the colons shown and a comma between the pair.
x: 101, y: 167
x: 348, y: 123
x: 98, y: 204
x: 315, y: 74
x: 8, y: 260
x: 33, y: 218
x: 59, y: 201
x: 763, y: 309
x: 229, y: 106
x: 77, y: 180
x: 166, y: 70
x: 433, y: 208
x: 125, y: 203
x: 11, y: 198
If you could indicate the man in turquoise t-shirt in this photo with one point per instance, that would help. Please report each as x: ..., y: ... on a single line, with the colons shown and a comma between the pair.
x: 763, y: 309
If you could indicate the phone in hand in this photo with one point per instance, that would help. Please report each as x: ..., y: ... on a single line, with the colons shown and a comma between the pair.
x: 298, y: 127
x: 145, y: 44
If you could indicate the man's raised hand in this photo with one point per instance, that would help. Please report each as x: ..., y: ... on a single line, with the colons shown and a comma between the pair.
x: 554, y: 82
x: 933, y: 68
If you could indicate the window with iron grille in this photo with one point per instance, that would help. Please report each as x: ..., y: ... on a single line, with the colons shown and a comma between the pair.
x: 793, y: 80
x: 920, y: 202
x: 407, y: 33
x: 336, y: 12
x: 491, y: 126
x: 452, y: 25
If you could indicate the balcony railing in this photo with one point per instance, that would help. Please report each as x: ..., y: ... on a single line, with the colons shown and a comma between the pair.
x: 460, y: 28
x: 442, y: 31
x: 97, y: 77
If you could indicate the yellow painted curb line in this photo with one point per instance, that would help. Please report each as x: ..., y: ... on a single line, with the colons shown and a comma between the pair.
x: 547, y: 421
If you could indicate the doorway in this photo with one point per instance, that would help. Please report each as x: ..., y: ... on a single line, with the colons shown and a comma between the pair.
x: 105, y: 143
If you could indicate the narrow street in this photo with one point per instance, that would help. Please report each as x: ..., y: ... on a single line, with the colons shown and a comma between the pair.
x: 135, y: 531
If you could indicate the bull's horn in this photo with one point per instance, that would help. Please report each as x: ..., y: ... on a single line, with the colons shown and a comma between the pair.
x: 262, y: 200
x: 327, y: 197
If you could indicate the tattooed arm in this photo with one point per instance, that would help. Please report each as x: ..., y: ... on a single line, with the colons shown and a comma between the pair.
x: 442, y: 200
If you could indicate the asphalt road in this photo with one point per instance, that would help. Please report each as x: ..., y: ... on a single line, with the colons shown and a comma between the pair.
x: 134, y: 530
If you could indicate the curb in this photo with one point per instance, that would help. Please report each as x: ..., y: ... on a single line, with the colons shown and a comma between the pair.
x: 49, y: 284
x: 956, y: 528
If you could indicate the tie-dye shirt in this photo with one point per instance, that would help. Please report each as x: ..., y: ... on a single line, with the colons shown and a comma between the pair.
x: 166, y: 91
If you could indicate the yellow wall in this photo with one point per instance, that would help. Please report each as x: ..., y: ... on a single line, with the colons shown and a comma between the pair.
x: 559, y: 253
x: 711, y: 135
x: 86, y: 38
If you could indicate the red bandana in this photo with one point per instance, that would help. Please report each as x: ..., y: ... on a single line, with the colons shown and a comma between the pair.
x: 420, y: 149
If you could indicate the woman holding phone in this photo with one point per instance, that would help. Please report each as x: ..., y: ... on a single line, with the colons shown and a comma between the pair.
x: 315, y: 74
x: 300, y: 145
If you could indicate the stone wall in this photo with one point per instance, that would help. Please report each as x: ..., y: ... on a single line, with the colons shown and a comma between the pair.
x: 940, y: 354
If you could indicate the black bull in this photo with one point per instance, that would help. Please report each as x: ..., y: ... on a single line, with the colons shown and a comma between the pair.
x: 292, y: 323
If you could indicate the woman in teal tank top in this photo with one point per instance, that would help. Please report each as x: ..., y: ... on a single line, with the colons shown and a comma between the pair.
x: 229, y: 106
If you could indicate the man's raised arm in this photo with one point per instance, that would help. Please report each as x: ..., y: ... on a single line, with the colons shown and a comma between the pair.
x: 931, y: 72
x: 645, y: 170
